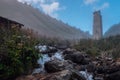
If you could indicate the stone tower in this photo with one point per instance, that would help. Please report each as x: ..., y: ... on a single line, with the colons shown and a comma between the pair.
x: 97, y: 25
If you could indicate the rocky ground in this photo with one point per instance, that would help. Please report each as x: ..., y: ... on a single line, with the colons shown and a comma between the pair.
x: 69, y: 64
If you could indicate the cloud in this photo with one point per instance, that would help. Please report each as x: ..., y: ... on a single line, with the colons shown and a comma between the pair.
x: 50, y: 7
x: 31, y: 1
x: 103, y: 6
x: 95, y: 4
x: 89, y: 2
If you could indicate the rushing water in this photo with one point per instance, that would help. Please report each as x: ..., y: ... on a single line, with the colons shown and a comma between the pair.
x: 46, y: 58
x: 41, y: 48
x: 87, y: 75
x: 58, y: 55
x: 41, y: 62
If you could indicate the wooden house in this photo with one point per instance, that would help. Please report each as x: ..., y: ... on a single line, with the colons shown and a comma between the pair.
x: 9, y: 24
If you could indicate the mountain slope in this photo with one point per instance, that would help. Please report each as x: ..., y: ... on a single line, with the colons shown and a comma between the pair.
x: 114, y: 30
x: 44, y: 24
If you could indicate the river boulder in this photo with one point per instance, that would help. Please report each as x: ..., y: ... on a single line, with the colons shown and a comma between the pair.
x: 76, y: 57
x: 113, y: 76
x: 65, y: 75
x: 68, y: 51
x: 57, y: 65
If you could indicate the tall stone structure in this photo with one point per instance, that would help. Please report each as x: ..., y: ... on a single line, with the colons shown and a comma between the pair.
x: 97, y: 25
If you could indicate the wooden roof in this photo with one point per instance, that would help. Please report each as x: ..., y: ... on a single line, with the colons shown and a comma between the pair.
x: 11, y: 20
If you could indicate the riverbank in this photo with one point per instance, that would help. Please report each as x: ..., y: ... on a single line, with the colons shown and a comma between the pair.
x: 70, y: 64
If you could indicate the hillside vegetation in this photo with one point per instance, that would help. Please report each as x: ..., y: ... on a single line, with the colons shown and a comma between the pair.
x: 17, y: 53
x: 109, y: 46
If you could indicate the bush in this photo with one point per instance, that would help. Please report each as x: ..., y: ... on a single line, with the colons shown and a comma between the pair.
x: 93, y: 52
x: 18, y: 55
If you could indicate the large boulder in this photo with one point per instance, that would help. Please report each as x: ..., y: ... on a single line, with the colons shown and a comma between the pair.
x: 65, y: 75
x: 68, y: 51
x: 86, y: 61
x: 90, y: 68
x: 76, y: 57
x: 61, y: 46
x: 113, y: 72
x: 61, y: 75
x: 113, y: 76
x: 57, y: 65
x: 107, y: 69
x: 28, y: 77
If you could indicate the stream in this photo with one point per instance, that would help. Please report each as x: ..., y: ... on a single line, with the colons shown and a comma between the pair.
x: 57, y: 55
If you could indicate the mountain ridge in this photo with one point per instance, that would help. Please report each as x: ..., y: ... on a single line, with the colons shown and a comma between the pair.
x: 40, y: 22
x: 113, y: 30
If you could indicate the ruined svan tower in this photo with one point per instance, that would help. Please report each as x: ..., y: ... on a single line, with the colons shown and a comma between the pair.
x: 97, y: 25
x: 9, y: 24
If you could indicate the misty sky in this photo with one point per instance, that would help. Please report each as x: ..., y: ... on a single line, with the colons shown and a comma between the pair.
x: 79, y: 13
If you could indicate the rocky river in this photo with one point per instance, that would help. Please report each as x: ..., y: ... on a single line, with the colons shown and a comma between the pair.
x: 70, y: 64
